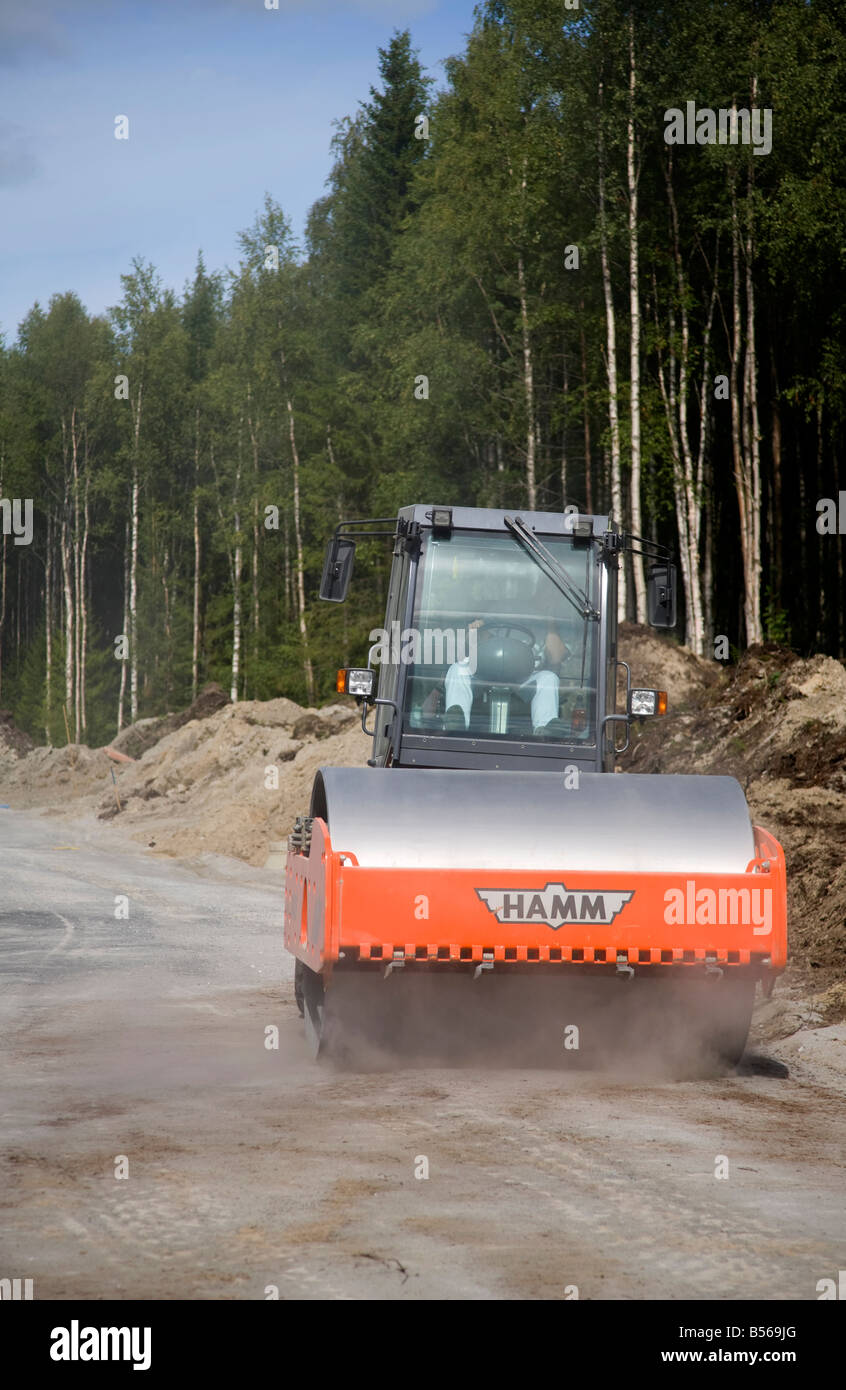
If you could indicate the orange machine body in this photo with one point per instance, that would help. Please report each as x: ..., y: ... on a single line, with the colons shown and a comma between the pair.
x: 338, y: 910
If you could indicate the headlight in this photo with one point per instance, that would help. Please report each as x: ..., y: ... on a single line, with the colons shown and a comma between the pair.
x: 645, y: 703
x: 355, y: 680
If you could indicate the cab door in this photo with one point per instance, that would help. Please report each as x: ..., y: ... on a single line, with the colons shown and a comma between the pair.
x: 392, y: 674
x: 606, y: 746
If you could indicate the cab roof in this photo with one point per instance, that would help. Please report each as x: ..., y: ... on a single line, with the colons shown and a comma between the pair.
x: 493, y: 519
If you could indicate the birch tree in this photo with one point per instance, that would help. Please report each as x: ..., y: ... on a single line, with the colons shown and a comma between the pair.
x: 689, y: 455
x: 632, y: 178
x: 617, y: 508
x: 744, y: 423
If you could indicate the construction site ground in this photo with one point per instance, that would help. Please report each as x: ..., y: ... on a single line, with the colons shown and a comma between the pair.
x: 250, y: 1167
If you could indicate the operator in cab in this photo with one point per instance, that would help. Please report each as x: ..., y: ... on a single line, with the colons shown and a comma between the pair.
x: 539, y: 688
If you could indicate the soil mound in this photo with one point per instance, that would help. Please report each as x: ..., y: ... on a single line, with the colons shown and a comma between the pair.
x: 14, y: 743
x: 217, y: 777
x: 777, y: 722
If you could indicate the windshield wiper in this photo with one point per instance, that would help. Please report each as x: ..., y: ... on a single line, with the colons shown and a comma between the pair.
x: 546, y: 561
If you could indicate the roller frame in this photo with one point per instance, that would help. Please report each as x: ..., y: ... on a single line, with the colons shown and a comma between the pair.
x: 337, y: 913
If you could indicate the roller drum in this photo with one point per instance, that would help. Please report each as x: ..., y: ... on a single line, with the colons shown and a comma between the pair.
x: 438, y: 819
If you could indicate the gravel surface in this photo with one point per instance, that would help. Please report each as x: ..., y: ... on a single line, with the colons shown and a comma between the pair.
x: 253, y: 1169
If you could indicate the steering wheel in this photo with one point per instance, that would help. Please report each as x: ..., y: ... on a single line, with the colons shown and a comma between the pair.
x: 506, y: 629
x: 505, y: 656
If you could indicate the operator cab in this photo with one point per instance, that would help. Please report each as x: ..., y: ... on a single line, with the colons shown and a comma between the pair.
x: 500, y: 654
x: 500, y: 643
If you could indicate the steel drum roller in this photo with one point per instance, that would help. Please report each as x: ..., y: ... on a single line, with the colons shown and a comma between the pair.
x: 432, y: 819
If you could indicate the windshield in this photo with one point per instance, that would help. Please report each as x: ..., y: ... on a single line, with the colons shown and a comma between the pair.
x: 496, y: 650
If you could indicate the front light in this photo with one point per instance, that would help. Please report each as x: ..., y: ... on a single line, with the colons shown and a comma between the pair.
x: 643, y: 703
x: 356, y: 680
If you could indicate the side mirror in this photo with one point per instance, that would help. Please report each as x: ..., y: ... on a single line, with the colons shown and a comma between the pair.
x: 661, y: 595
x: 337, y: 569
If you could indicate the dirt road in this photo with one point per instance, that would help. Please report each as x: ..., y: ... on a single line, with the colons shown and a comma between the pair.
x: 138, y: 1044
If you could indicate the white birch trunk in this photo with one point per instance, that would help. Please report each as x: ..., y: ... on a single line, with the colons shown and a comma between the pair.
x: 611, y: 366
x: 634, y: 353
x: 746, y: 471
x: 255, y: 557
x: 195, y: 641
x: 82, y: 601
x: 565, y: 386
x: 3, y: 582
x: 298, y: 542
x: 67, y: 585
x: 125, y: 627
x: 167, y: 624
x: 77, y: 627
x: 236, y: 613
x: 666, y: 381
x: 688, y: 495
x: 688, y: 471
x: 236, y: 563
x: 345, y: 627
x: 528, y: 387
x: 586, y: 410
x: 234, y: 560
x: 133, y: 571
x: 754, y: 456
x: 48, y: 622
x: 703, y: 480
x: 822, y: 603
x: 288, y: 580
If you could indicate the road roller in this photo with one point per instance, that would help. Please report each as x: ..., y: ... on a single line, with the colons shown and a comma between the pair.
x: 489, y: 884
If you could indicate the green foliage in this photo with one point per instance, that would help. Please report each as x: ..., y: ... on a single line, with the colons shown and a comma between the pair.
x: 24, y: 691
x: 776, y: 622
x: 297, y: 386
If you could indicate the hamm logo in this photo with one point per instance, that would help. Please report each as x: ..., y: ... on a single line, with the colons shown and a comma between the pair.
x: 554, y: 905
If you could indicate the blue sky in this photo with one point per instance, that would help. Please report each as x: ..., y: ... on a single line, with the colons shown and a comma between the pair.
x: 225, y: 100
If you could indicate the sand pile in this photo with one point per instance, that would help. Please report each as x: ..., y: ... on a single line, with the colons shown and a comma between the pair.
x: 777, y: 722
x: 660, y: 662
x: 14, y: 743
x: 235, y: 781
x: 138, y: 737
x: 228, y: 782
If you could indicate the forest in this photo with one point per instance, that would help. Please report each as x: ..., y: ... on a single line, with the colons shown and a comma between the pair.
x: 602, y: 264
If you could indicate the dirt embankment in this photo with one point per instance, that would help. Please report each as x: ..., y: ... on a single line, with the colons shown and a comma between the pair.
x: 14, y: 743
x: 777, y: 722
x: 218, y: 777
